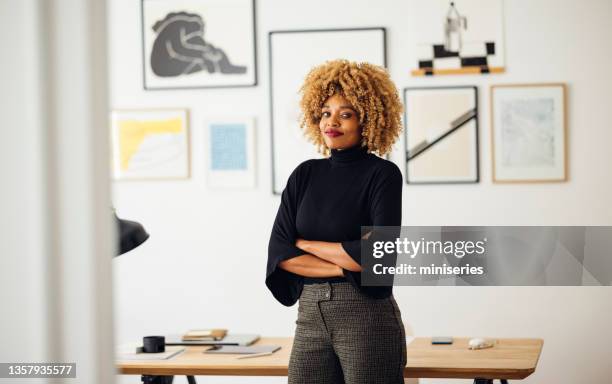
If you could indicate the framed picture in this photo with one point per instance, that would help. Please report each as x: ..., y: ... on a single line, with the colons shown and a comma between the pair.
x: 456, y: 37
x: 231, y: 158
x: 529, y: 132
x: 198, y: 44
x: 150, y: 144
x: 441, y: 135
x: 287, y: 73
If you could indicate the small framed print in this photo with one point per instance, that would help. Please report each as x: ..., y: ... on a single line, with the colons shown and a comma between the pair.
x: 231, y: 159
x: 529, y: 132
x: 150, y: 144
x: 198, y: 44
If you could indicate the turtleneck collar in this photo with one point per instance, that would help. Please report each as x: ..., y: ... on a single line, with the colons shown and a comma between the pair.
x: 348, y: 155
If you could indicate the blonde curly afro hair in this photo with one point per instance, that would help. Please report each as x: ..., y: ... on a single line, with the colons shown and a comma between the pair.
x: 370, y: 91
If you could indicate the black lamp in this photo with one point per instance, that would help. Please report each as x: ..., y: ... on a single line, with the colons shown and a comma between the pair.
x: 131, y: 234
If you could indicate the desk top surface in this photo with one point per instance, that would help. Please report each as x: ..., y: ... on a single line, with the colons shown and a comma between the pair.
x: 508, y: 359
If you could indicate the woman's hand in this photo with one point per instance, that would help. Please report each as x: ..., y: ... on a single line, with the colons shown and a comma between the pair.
x: 302, y: 244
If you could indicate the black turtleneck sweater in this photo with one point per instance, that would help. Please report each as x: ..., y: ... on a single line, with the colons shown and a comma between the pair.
x: 329, y: 200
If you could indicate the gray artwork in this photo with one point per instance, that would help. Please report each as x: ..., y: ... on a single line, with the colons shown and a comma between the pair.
x: 180, y: 48
x: 528, y: 132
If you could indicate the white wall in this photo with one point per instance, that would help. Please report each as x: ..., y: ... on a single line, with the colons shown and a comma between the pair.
x: 207, y: 251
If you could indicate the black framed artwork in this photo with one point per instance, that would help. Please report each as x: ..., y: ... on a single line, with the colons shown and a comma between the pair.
x: 198, y: 44
x: 287, y: 73
x: 441, y: 135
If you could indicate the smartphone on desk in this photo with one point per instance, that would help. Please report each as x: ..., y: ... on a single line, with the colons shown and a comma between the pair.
x: 243, y: 350
x: 441, y: 340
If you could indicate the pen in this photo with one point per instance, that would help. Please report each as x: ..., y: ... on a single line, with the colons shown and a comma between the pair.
x: 254, y: 355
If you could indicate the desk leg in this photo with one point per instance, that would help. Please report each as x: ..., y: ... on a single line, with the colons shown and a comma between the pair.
x: 191, y: 380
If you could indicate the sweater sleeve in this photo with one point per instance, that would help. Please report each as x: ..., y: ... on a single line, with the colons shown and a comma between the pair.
x: 386, y: 210
x: 285, y: 286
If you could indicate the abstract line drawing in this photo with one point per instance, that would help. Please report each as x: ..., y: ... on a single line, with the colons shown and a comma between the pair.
x: 198, y: 44
x: 180, y: 48
x: 441, y: 135
x: 454, y: 46
x: 454, y: 125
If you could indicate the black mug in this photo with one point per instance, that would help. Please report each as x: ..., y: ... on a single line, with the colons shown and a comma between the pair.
x: 153, y: 344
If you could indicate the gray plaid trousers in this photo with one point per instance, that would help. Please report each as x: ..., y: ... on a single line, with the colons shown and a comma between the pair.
x: 343, y: 336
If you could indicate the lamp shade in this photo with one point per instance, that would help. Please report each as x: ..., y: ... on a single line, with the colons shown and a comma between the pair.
x: 130, y: 234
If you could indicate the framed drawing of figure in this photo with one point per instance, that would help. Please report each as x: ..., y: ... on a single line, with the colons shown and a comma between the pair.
x: 198, y: 44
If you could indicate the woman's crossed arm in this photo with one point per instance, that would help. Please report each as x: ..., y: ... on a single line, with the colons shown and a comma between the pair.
x: 330, y: 252
x: 311, y: 266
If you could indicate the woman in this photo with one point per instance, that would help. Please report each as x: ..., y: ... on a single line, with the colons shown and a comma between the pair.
x: 346, y: 333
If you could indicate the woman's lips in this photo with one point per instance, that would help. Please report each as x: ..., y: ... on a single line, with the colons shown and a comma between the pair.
x: 333, y: 133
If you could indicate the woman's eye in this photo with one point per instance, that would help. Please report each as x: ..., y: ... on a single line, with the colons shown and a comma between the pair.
x: 325, y: 114
x: 346, y: 115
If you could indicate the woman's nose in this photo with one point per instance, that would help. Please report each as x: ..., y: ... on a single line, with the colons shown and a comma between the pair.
x: 332, y: 121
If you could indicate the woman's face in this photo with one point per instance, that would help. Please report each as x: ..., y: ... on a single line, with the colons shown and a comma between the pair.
x: 339, y: 123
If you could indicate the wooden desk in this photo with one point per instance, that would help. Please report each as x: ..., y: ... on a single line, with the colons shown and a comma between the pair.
x: 508, y: 359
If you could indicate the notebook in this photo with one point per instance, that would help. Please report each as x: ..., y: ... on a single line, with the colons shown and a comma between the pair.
x: 248, y: 350
x: 204, y: 334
